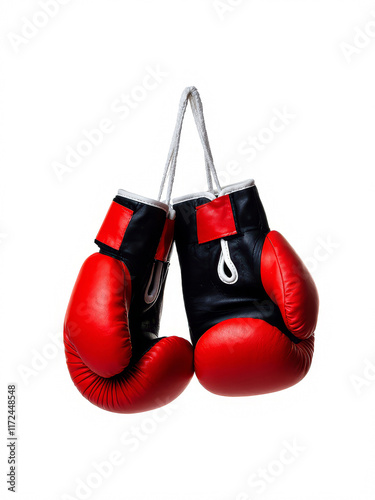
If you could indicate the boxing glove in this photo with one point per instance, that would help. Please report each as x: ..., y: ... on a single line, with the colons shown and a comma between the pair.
x: 251, y: 303
x: 113, y: 352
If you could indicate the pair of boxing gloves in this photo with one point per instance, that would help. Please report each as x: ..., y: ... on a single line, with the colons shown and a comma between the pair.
x: 251, y: 303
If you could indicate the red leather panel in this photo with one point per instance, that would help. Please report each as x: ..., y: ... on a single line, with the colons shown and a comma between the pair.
x: 166, y: 240
x: 215, y: 219
x: 96, y: 321
x: 289, y: 284
x: 114, y: 225
x: 158, y: 378
x: 246, y: 357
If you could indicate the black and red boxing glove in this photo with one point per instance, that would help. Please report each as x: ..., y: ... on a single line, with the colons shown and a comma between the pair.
x: 251, y: 304
x: 113, y: 352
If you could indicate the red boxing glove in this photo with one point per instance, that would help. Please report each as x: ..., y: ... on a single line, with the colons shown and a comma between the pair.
x: 113, y: 352
x: 251, y: 303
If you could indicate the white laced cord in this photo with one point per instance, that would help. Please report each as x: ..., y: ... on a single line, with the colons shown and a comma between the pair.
x: 191, y: 94
x: 197, y: 108
x: 225, y: 259
x: 176, y: 133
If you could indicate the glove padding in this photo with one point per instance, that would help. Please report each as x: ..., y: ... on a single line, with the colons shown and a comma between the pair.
x: 251, y: 303
x: 113, y: 352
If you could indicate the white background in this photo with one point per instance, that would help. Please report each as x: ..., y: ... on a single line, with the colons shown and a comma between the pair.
x: 315, y: 179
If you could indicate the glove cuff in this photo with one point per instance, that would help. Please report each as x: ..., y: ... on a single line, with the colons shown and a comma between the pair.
x: 135, y: 230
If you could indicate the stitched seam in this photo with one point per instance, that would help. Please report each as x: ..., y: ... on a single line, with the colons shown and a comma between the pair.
x: 256, y: 271
x: 126, y: 307
x: 145, y: 202
x: 236, y: 190
x: 218, y: 237
x: 195, y: 196
x: 201, y: 206
x: 282, y: 280
x: 234, y: 212
x: 239, y: 234
x: 149, y: 203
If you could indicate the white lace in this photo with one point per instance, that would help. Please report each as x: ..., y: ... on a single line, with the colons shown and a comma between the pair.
x: 225, y: 259
x: 191, y: 94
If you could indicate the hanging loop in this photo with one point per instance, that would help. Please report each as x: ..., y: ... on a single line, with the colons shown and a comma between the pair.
x: 190, y: 94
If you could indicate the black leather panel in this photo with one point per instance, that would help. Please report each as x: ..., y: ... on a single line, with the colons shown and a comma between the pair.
x: 141, y: 237
x: 137, y: 251
x: 208, y: 300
